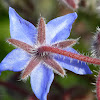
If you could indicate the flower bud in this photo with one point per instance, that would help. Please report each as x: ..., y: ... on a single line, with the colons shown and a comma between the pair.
x: 96, y: 44
x: 72, y: 4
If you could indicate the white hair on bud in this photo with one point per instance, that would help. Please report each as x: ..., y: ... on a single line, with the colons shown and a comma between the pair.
x: 95, y: 48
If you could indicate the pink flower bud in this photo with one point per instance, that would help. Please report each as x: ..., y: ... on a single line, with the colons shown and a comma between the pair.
x: 72, y: 4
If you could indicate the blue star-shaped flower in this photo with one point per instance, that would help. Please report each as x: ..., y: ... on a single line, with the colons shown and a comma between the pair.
x: 34, y: 63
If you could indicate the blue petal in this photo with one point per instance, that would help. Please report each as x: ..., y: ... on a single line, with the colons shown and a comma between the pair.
x: 78, y: 67
x: 15, y: 61
x: 41, y: 79
x: 21, y: 29
x: 59, y: 29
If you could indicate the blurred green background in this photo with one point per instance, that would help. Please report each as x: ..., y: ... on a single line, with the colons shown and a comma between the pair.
x: 73, y: 86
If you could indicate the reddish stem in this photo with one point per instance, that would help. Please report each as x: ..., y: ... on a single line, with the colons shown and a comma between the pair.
x: 69, y: 54
x: 98, y: 87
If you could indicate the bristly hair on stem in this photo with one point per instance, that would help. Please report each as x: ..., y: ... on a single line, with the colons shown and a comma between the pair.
x: 69, y: 54
x: 98, y: 86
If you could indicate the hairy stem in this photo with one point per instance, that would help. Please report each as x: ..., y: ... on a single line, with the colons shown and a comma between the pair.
x: 69, y: 54
x: 98, y: 86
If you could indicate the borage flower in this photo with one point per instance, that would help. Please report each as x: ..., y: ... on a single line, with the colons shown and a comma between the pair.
x: 30, y: 57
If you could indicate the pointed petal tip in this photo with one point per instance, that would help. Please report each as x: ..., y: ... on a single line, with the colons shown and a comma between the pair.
x: 74, y: 15
x: 11, y: 10
x: 14, y: 61
x: 90, y: 72
x: 12, y: 14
